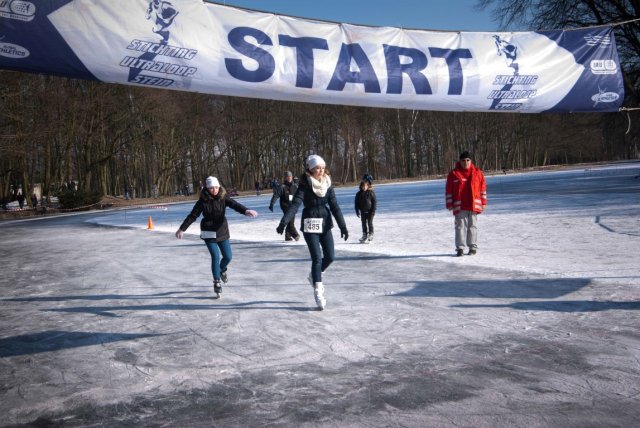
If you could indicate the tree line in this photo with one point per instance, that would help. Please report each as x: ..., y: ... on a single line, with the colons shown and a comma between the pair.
x: 108, y: 139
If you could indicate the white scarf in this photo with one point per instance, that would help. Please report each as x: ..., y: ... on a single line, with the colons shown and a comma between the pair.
x: 320, y: 187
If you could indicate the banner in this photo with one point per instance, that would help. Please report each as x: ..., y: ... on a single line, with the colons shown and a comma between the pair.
x: 189, y: 45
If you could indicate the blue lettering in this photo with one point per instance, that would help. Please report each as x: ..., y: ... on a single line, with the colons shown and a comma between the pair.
x: 343, y: 74
x: 352, y: 66
x: 266, y: 63
x: 395, y: 69
x: 452, y: 57
x: 304, y: 56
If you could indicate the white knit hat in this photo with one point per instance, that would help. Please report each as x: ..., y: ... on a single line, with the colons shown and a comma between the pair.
x: 314, y: 161
x: 212, y: 182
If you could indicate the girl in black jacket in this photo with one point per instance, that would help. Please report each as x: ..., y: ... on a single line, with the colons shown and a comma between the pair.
x: 319, y: 199
x: 366, y: 204
x: 214, y: 229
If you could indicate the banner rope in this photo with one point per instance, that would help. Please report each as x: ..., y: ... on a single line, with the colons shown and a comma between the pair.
x: 625, y: 22
x: 627, y: 110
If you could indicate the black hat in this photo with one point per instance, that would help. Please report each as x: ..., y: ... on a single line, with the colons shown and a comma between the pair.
x: 288, y: 174
x: 465, y: 155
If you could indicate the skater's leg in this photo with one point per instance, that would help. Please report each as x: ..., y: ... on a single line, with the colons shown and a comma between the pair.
x: 225, y: 250
x: 215, y: 258
x: 461, y: 229
x: 472, y: 231
x: 313, y: 243
x: 328, y: 252
x: 370, y: 223
x: 363, y: 220
x: 291, y: 229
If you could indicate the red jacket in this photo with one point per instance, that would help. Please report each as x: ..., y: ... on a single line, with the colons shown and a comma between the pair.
x: 466, y: 189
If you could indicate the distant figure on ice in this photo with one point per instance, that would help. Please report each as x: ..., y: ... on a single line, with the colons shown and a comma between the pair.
x: 34, y: 201
x: 214, y: 229
x: 317, y: 195
x: 365, y: 204
x: 285, y: 194
x: 466, y: 196
x: 21, y: 198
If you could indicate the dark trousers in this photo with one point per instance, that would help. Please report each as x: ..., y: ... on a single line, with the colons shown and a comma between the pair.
x: 322, y: 252
x: 290, y: 232
x: 367, y: 223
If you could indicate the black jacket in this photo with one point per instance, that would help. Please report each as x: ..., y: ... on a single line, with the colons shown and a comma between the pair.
x: 283, y: 192
x: 365, y: 202
x: 315, y: 206
x: 213, y: 213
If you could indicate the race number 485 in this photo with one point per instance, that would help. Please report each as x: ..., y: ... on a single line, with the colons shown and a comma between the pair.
x: 313, y: 225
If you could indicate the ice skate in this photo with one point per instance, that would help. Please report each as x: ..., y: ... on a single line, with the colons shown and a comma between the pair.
x: 318, y: 294
x: 223, y: 276
x: 363, y: 240
x: 370, y: 237
x: 217, y: 288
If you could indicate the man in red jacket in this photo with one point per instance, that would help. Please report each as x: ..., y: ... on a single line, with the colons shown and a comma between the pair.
x: 466, y: 196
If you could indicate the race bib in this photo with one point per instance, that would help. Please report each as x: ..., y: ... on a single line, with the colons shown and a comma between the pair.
x: 312, y: 225
x: 290, y: 198
x: 207, y: 234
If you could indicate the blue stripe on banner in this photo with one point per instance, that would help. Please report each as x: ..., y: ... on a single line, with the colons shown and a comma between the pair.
x: 600, y: 87
x: 29, y: 42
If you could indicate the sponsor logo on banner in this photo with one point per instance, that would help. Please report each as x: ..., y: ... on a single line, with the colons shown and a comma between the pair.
x: 17, y: 9
x: 508, y: 81
x: 604, y: 97
x: 603, y: 66
x: 164, y: 60
x: 11, y: 50
x: 603, y: 41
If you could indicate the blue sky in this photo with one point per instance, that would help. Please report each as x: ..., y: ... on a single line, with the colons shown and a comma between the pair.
x: 420, y: 14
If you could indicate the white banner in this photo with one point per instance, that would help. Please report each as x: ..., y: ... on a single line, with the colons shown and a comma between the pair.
x: 193, y: 46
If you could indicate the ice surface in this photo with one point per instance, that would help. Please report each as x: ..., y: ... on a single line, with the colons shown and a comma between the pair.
x: 105, y: 323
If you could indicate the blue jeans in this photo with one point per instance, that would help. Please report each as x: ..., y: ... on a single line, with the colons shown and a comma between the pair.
x: 216, y: 249
x: 322, y: 252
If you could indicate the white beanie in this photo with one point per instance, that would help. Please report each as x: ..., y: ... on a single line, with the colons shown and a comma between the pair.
x: 314, y: 161
x: 212, y: 182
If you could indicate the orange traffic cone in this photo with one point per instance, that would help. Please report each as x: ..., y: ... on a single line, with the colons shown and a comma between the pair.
x: 150, y: 223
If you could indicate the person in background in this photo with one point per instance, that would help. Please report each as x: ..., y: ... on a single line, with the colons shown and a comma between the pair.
x: 365, y: 204
x: 34, y: 200
x: 21, y: 198
x: 285, y: 194
x: 318, y: 197
x: 466, y: 197
x: 214, y: 229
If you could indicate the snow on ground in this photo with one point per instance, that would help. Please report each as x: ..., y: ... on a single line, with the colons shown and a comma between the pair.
x: 575, y: 223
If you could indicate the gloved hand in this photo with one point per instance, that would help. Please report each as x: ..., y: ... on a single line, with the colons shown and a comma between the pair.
x: 271, y: 208
x: 344, y: 234
x: 280, y: 228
